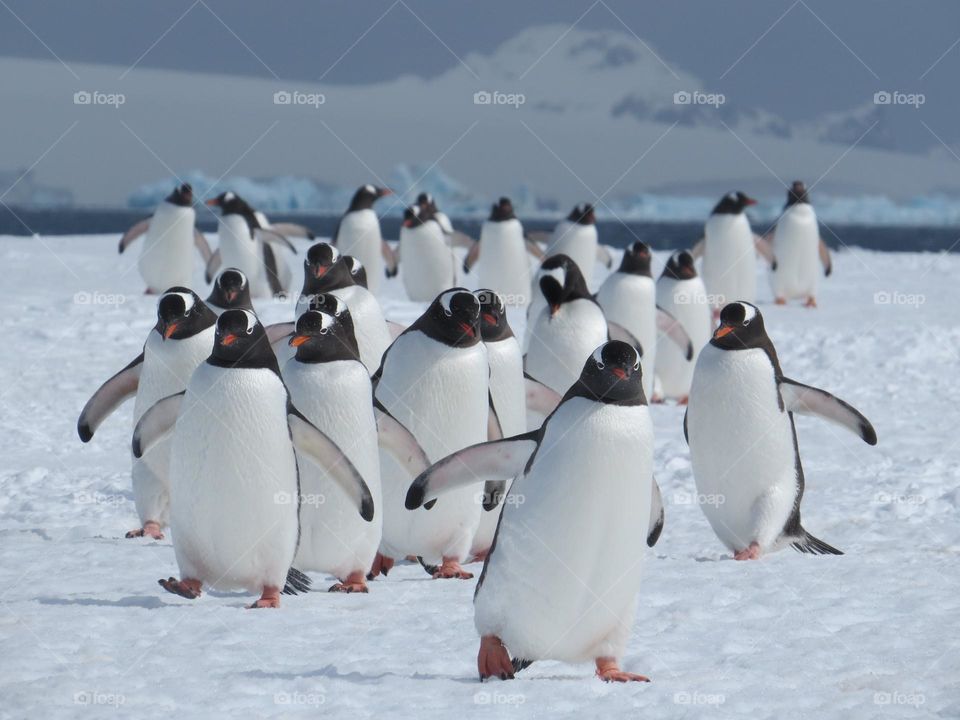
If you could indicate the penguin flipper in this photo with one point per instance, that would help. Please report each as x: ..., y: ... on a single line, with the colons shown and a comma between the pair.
x: 132, y: 234
x: 488, y: 461
x: 656, y: 514
x: 616, y: 331
x: 540, y: 398
x: 200, y: 240
x: 604, y: 257
x: 765, y: 249
x: 459, y: 239
x: 668, y: 325
x: 297, y: 582
x: 269, y: 235
x: 686, y: 435
x: 390, y: 259
x: 534, y: 249
x: 156, y: 423
x: 803, y: 399
x: 825, y: 258
x: 293, y: 230
x: 697, y: 250
x: 108, y: 397
x: 472, y: 255
x: 272, y: 271
x: 312, y: 442
x: 213, y: 264
x: 393, y: 437
x: 278, y: 331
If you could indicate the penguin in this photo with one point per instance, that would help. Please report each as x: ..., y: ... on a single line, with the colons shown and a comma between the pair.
x: 231, y: 291
x: 681, y: 293
x: 584, y: 490
x: 797, y: 250
x: 501, y: 255
x: 428, y: 205
x: 628, y: 297
x: 358, y: 234
x: 434, y: 382
x: 235, y: 491
x: 429, y: 265
x: 178, y: 343
x: 357, y: 271
x: 287, y: 229
x: 743, y: 441
x: 247, y: 246
x: 166, y: 256
x: 576, y: 237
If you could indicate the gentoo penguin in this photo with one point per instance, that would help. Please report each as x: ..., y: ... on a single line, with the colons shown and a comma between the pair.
x: 357, y: 271
x: 235, y: 489
x: 358, y: 234
x: 561, y: 580
x: 247, y: 246
x: 628, y: 297
x: 501, y: 255
x: 798, y: 250
x: 434, y: 382
x: 231, y: 291
x: 729, y: 252
x: 576, y: 237
x: 166, y: 257
x: 743, y: 442
x: 429, y: 266
x: 177, y: 344
x: 680, y: 292
x: 428, y: 205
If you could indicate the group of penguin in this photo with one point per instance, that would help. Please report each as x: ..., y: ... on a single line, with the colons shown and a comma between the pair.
x: 340, y: 442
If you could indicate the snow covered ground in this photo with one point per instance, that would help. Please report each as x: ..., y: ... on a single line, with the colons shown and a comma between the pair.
x: 86, y: 631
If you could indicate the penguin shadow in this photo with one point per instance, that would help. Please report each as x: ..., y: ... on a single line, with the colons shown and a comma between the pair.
x: 331, y: 673
x: 136, y: 601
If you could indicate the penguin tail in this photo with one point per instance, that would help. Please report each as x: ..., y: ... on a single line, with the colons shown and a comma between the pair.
x: 520, y: 664
x: 807, y: 543
x: 431, y: 569
x: 297, y: 582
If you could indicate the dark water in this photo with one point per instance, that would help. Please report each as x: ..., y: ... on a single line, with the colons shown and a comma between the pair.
x: 660, y: 235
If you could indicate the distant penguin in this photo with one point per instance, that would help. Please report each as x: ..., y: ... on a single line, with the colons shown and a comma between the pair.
x: 501, y: 255
x: 628, y: 297
x: 235, y: 491
x: 798, y: 250
x: 429, y: 266
x: 426, y: 202
x: 576, y: 237
x: 231, y: 291
x: 166, y: 256
x: 743, y: 442
x: 248, y: 247
x: 434, y: 382
x: 179, y: 342
x: 729, y: 254
x: 681, y: 293
x: 585, y: 504
x: 358, y: 234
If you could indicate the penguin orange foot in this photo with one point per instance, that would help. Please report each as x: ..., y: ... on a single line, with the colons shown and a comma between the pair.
x: 149, y: 529
x: 381, y: 564
x: 811, y: 302
x: 750, y: 553
x: 188, y: 588
x: 780, y: 301
x: 269, y: 598
x: 609, y: 671
x: 493, y: 660
x: 450, y: 568
x: 353, y: 584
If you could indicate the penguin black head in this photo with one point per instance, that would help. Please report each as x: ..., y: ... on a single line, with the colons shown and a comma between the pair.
x: 561, y: 281
x: 231, y: 290
x: 582, y: 215
x: 502, y: 210
x: 425, y: 201
x: 733, y: 203
x: 636, y: 259
x: 797, y: 193
x: 325, y: 332
x: 741, y: 328
x: 241, y: 342
x: 453, y: 318
x: 357, y: 271
x: 182, y: 196
x: 366, y: 196
x: 181, y: 314
x: 611, y: 374
x: 680, y: 266
x: 324, y: 269
x: 493, y: 316
x: 232, y: 204
x: 416, y: 215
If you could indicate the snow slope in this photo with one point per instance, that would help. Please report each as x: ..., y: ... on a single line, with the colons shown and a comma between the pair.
x: 86, y: 631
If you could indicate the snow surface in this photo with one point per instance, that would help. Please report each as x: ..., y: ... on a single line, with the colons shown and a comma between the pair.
x: 86, y: 631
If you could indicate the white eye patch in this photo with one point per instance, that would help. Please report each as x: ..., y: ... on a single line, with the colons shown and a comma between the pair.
x: 558, y: 274
x: 749, y: 312
x: 445, y: 300
x: 370, y: 189
x: 251, y: 321
x: 188, y: 301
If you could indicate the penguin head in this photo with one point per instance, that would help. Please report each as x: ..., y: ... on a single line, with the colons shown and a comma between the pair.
x: 493, y: 316
x: 453, y: 318
x: 325, y: 332
x: 582, y: 214
x: 232, y: 204
x: 636, y: 259
x: 741, y: 328
x: 321, y: 257
x: 680, y: 266
x: 561, y: 281
x: 366, y: 196
x: 502, y: 210
x: 425, y: 201
x: 733, y: 203
x: 325, y: 269
x: 357, y: 271
x: 230, y: 290
x: 182, y: 196
x: 416, y: 215
x: 796, y: 194
x: 241, y: 341
x: 612, y: 374
x: 181, y: 314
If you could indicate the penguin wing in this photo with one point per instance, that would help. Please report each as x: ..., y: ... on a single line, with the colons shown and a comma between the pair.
x: 806, y: 400
x: 272, y: 270
x: 486, y: 462
x: 269, y: 235
x: 336, y: 231
x: 656, y: 514
x: 213, y: 264
x: 472, y: 254
x: 132, y: 234
x: 393, y: 437
x: 396, y: 329
x: 616, y: 331
x: 293, y: 230
x: 156, y: 423
x: 604, y: 257
x: 686, y: 435
x: 312, y: 442
x: 765, y: 249
x: 200, y: 240
x: 668, y: 325
x: 540, y: 398
x: 460, y: 239
x: 534, y: 249
x: 825, y: 259
x: 278, y: 331
x: 698, y: 249
x: 539, y: 237
x: 390, y: 260
x: 108, y: 397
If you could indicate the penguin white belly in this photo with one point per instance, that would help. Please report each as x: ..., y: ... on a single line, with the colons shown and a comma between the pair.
x: 359, y: 236
x: 335, y: 396
x: 630, y: 301
x: 560, y: 345
x: 234, y: 489
x: 166, y: 257
x: 369, y: 325
x: 428, y: 267
x: 796, y: 247
x: 504, y: 266
x: 239, y: 249
x: 444, y: 404
x: 579, y: 243
x: 729, y: 259
x: 167, y: 367
x: 686, y: 300
x: 741, y: 447
x: 562, y: 580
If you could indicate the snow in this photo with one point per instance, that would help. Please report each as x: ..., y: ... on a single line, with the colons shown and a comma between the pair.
x: 87, y: 632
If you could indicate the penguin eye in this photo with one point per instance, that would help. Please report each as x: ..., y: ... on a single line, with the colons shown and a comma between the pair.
x: 600, y: 365
x: 324, y: 331
x: 636, y: 365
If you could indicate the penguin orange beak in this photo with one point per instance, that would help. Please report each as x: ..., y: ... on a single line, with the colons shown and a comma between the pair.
x: 554, y: 309
x: 232, y: 295
x: 298, y: 340
x: 213, y: 202
x: 229, y: 339
x: 467, y: 328
x: 171, y: 329
x: 320, y: 270
x: 723, y: 330
x: 619, y: 372
x: 489, y: 319
x: 751, y: 201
